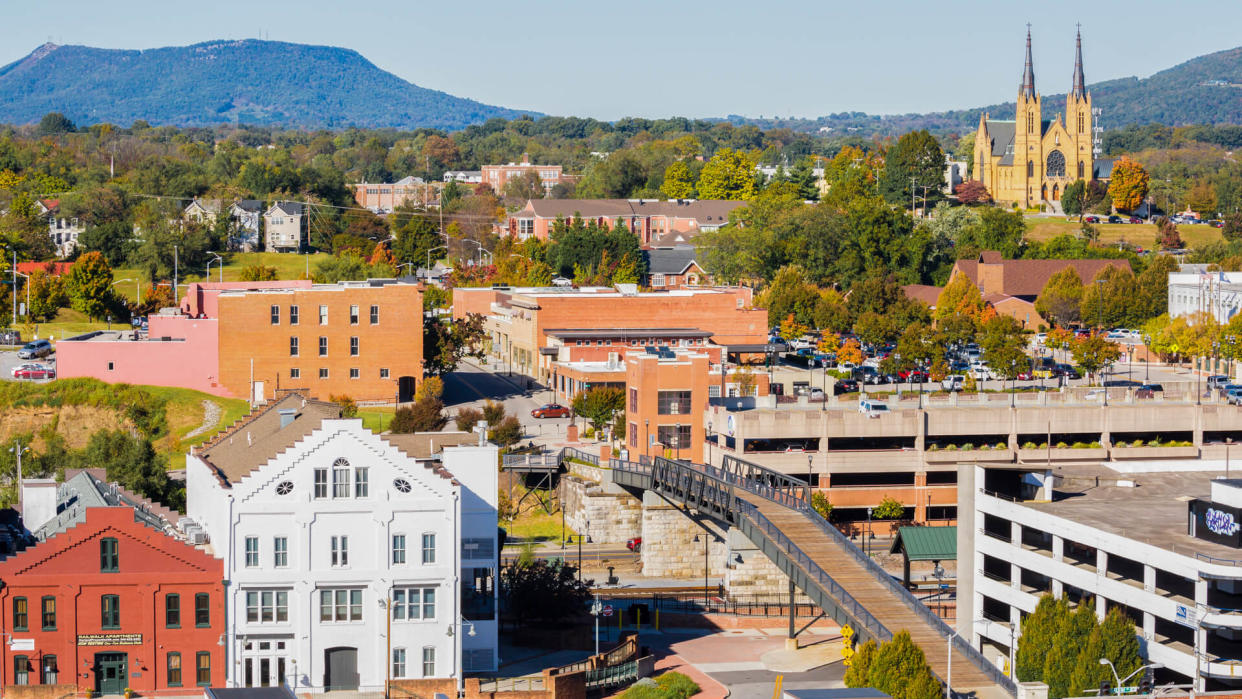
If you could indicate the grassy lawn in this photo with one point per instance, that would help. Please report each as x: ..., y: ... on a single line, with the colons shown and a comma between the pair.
x: 184, y: 410
x: 533, y: 523
x: 67, y: 323
x: 288, y: 266
x: 1042, y: 229
x: 376, y: 419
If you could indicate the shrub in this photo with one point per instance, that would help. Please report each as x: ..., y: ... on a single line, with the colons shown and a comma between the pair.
x: 968, y: 447
x: 424, y: 416
x: 1029, y: 445
x: 467, y: 418
x: 819, y: 502
x: 1078, y: 445
x: 1094, y: 445
x: 493, y: 412
x: 508, y: 432
x: 348, y: 407
x: 950, y: 447
x: 934, y: 447
x: 1137, y: 443
x: 675, y: 685
x: 431, y: 387
x: 1060, y: 445
x: 1119, y: 445
x: 1002, y: 445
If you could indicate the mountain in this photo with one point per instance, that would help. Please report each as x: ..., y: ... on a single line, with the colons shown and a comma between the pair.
x: 1203, y: 90
x: 248, y: 81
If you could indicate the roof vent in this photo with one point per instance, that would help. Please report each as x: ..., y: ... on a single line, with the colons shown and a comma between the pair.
x: 286, y: 417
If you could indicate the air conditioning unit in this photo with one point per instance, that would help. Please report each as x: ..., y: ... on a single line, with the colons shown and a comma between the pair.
x: 196, y: 536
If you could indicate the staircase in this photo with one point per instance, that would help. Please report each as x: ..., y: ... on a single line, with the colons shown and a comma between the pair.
x: 1053, y: 207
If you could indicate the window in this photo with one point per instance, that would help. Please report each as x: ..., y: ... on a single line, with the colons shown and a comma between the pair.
x: 202, y: 610
x: 48, y: 609
x: 108, y: 557
x: 21, y: 614
x: 202, y: 668
x: 353, y: 315
x: 323, y: 315
x: 275, y: 315
x: 1080, y: 122
x: 429, y: 548
x: 398, y: 662
x: 355, y: 373
x: 1056, y: 164
x: 398, y: 549
x: 414, y: 603
x: 633, y: 400
x: 280, y: 552
x: 374, y: 315
x: 674, y: 436
x: 293, y: 346
x: 340, y: 605
x: 293, y: 315
x: 383, y: 373
x: 1030, y: 168
x: 361, y: 481
x: 1080, y: 169
x: 673, y: 403
x: 267, y: 606
x: 340, y: 478
x: 657, y: 280
x: 172, y: 611
x: 50, y: 671
x: 252, y: 552
x: 633, y: 434
x: 174, y: 669
x: 21, y: 669
x: 323, y: 346
x: 340, y: 551
x: 429, y: 661
x: 321, y: 483
x: 353, y: 346
x: 323, y: 372
x: 295, y: 373
x: 110, y: 612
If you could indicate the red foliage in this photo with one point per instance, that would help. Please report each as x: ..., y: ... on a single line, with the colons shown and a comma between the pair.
x: 971, y: 192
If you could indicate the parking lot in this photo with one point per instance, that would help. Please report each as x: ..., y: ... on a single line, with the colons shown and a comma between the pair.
x: 9, y: 361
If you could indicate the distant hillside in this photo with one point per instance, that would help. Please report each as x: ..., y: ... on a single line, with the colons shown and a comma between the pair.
x: 249, y: 81
x: 1203, y: 90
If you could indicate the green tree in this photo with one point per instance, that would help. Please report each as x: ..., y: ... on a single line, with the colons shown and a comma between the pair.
x: 426, y: 415
x: 493, y: 412
x: 678, y: 181
x: 131, y: 462
x: 1094, y: 353
x: 859, y: 674
x: 900, y: 670
x: 542, y: 591
x: 791, y: 293
x: 524, y: 187
x: 819, y: 502
x: 417, y: 235
x: 728, y: 175
x: 507, y: 433
x: 873, y: 328
x: 599, y: 405
x: 54, y: 123
x: 1072, y: 198
x: 1111, y: 299
x: 1232, y: 230
x: 1039, y: 631
x: 915, y: 162
x: 446, y: 344
x: 47, y: 295
x: 889, y: 508
x: 1060, y: 301
x: 89, y: 285
x: 258, y: 273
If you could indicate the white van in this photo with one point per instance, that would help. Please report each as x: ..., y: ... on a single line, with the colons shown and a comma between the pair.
x: 872, y: 408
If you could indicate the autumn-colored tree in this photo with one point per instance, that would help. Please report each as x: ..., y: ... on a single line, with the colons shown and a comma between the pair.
x: 728, y: 175
x: 959, y: 297
x: 258, y: 273
x: 47, y: 295
x: 1128, y: 184
x: 1201, y: 199
x: 850, y: 352
x: 830, y: 342
x: 1061, y: 298
x: 1059, y: 338
x: 381, y: 255
x: 678, y: 181
x: 89, y: 285
x: 791, y: 329
x: 972, y: 192
x: 1168, y: 236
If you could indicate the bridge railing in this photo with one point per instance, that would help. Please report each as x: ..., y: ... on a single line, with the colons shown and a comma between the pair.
x: 579, y: 455
x: 779, y: 487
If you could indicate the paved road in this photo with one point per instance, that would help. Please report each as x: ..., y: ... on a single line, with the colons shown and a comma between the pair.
x: 472, y: 385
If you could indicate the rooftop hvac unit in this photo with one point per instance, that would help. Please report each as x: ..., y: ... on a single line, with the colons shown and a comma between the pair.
x: 197, y: 537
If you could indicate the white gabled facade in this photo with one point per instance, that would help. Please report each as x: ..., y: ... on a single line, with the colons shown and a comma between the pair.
x: 329, y: 536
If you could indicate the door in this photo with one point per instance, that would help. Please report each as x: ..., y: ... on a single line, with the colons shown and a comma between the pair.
x: 340, y: 668
x: 111, y: 676
x: 405, y: 389
x: 258, y: 392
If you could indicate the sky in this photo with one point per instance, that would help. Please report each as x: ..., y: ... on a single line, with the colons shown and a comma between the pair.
x: 695, y: 58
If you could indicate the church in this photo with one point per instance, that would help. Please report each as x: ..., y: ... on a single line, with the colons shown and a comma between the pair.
x: 1028, y: 160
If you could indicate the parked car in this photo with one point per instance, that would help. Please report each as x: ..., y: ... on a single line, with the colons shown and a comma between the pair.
x: 817, y: 393
x: 953, y: 382
x: 1234, y: 396
x: 1091, y: 219
x: 1043, y: 368
x: 983, y: 372
x: 1135, y: 219
x: 34, y: 372
x: 550, y: 410
x: 1115, y: 219
x: 635, y: 544
x: 912, y: 375
x: 1068, y: 371
x: 869, y: 375
x: 1026, y: 375
x: 872, y: 408
x: 1216, y: 381
x: 36, y: 349
x: 844, y: 386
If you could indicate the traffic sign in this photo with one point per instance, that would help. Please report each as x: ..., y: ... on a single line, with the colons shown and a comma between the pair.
x: 1126, y: 690
x: 607, y: 611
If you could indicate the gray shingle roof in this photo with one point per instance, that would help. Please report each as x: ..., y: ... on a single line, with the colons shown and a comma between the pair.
x: 290, y: 208
x: 669, y: 260
x: 85, y: 490
x: 1001, y: 133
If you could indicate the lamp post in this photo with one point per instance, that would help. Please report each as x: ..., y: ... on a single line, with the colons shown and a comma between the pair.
x: 405, y: 264
x: 867, y: 535
x: 809, y: 468
x: 386, y: 605
x: 705, y: 567
x: 1120, y: 681
x: 219, y: 265
x: 137, y: 288
x: 580, y: 537
x: 948, y: 675
x: 709, y: 442
x: 438, y: 247
x: 17, y: 450
x: 461, y: 621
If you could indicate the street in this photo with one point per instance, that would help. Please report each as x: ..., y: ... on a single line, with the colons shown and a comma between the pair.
x: 472, y: 385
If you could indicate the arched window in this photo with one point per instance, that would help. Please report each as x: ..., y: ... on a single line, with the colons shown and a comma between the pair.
x: 1081, y: 121
x: 1030, y: 123
x: 1081, y: 167
x: 1030, y: 168
x: 1056, y: 164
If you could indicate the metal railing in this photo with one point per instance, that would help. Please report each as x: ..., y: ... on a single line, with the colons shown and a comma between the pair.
x: 511, y: 684
x: 612, y: 676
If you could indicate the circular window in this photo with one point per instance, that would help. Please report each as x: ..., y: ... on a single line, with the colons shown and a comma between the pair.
x: 401, y: 485
x: 284, y: 487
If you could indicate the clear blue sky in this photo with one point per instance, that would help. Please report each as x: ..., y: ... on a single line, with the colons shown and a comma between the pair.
x: 673, y: 57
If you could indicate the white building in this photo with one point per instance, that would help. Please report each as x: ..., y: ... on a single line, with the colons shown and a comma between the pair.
x: 285, y: 226
x: 464, y: 176
x: 325, y: 528
x: 1218, y: 293
x: 1161, y: 544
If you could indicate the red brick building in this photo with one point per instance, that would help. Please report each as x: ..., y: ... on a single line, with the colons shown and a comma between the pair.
x: 109, y: 604
x: 656, y: 223
x: 666, y: 397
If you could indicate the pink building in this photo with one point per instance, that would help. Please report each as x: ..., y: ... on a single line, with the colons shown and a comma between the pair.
x: 496, y: 176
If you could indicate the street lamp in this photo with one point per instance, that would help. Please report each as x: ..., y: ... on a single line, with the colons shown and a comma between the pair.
x: 405, y: 264
x: 809, y: 468
x: 580, y: 538
x: 386, y: 605
x: 705, y: 568
x: 1120, y: 681
x: 137, y: 287
x: 438, y: 247
x: 709, y: 442
x: 867, y: 534
x: 220, y: 260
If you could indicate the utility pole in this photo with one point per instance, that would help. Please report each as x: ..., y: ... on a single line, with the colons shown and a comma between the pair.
x: 176, y: 298
x: 14, y: 290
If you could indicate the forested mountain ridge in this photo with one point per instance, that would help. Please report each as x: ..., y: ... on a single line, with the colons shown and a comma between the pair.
x: 246, y: 81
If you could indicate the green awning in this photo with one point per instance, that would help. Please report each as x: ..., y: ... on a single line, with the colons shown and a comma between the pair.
x: 926, y: 543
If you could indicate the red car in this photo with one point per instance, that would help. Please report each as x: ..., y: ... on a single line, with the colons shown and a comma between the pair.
x: 550, y: 410
x: 1025, y: 375
x: 34, y: 371
x: 635, y: 544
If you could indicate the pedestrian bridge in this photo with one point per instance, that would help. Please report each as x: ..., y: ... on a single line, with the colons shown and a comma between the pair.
x: 773, y: 511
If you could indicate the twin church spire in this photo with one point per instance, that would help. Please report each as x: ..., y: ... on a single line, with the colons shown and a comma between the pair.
x: 1027, y: 89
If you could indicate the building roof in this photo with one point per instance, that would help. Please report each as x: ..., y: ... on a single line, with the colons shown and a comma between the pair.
x: 712, y: 212
x: 424, y: 445
x: 624, y: 333
x: 289, y: 208
x: 89, y: 488
x: 923, y: 292
x: 1001, y: 132
x: 259, y: 437
x: 252, y: 205
x: 669, y: 260
x: 53, y: 268
x: 926, y: 543
x: 212, y: 206
x: 1028, y: 277
x: 1102, y: 168
x: 409, y: 180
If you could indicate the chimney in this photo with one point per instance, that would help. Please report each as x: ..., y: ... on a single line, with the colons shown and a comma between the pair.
x: 38, y: 502
x: 286, y: 417
x: 481, y: 428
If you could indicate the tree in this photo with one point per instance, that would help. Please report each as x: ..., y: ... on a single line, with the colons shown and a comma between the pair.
x: 859, y: 674
x: 1060, y: 301
x: 54, y: 123
x: 791, y: 294
x: 445, y: 344
x: 347, y: 405
x: 850, y: 353
x: 1232, y: 230
x: 915, y: 161
x: 791, y: 329
x: 89, y: 285
x: 1167, y: 235
x: 1072, y: 198
x: 507, y: 433
x: 873, y: 328
x: 819, y: 503
x: 1111, y: 299
x: 426, y: 415
x: 543, y: 591
x: 1128, y: 184
x: 900, y: 670
x: 1039, y: 630
x: 889, y: 508
x: 431, y: 387
x: 525, y: 186
x: 417, y: 235
x: 678, y: 181
x: 959, y: 297
x: 47, y: 295
x: 259, y: 273
x: 1094, y: 353
x: 728, y: 175
x: 599, y: 405
x: 493, y: 412
x: 1201, y: 199
x: 467, y: 418
x: 973, y: 193
x: 131, y: 461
